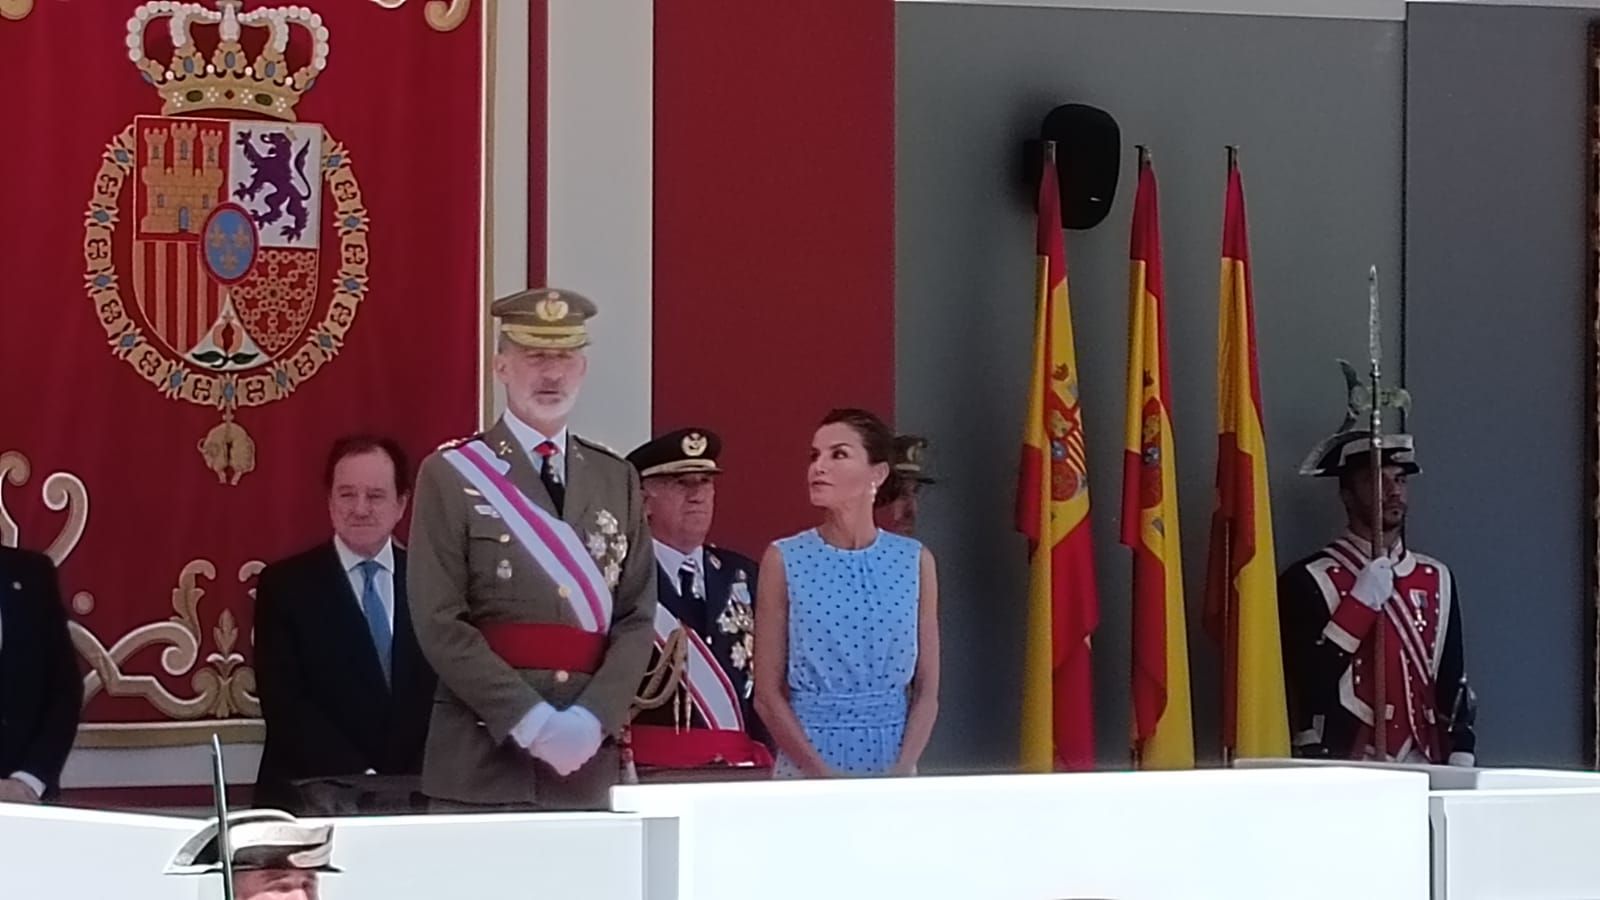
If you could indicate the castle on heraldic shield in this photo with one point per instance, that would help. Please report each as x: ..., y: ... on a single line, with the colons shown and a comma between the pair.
x: 225, y: 242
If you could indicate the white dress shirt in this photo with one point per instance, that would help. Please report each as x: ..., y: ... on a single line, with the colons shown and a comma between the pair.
x: 530, y: 437
x: 384, y: 579
x: 671, y: 560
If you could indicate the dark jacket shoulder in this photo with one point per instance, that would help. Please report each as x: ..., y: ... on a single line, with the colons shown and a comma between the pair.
x: 18, y: 562
x: 731, y: 559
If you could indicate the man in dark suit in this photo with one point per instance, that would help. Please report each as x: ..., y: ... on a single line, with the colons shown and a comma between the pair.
x: 40, y: 689
x: 344, y: 688
x: 705, y: 619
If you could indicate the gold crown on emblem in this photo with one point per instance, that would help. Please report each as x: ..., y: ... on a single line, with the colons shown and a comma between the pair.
x: 209, y: 68
x: 695, y: 444
x: 552, y: 308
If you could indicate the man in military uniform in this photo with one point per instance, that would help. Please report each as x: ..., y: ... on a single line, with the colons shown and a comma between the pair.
x: 531, y: 582
x: 896, y: 507
x: 1333, y: 604
x: 696, y: 708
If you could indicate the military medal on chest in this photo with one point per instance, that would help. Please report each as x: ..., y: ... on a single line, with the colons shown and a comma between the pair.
x: 738, y: 621
x: 608, y: 546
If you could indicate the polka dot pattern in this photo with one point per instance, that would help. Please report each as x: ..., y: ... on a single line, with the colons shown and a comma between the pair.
x: 852, y: 647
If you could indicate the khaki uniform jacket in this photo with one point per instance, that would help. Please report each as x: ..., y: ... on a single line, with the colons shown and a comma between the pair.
x: 465, y: 569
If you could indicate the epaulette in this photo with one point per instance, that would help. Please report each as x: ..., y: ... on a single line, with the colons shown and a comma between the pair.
x: 590, y: 442
x: 460, y: 441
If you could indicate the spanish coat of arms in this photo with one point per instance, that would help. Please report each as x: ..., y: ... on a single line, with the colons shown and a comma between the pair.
x: 208, y: 224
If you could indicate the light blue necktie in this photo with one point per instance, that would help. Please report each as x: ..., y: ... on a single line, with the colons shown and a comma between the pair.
x: 377, y: 619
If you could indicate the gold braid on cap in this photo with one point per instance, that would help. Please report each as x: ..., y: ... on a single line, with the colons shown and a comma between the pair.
x: 555, y: 337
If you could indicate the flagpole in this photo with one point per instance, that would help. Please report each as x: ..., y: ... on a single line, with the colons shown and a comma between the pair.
x: 1230, y: 634
x: 1143, y: 159
x: 1380, y: 705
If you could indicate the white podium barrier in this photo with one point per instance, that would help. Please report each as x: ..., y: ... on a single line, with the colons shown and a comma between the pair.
x: 1532, y: 843
x: 59, y: 852
x: 1205, y: 834
x: 1501, y: 779
x: 1440, y: 778
x: 1448, y: 778
x: 48, y: 851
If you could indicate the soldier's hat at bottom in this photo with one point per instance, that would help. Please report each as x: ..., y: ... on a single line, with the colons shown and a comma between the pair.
x: 1352, y: 451
x: 260, y: 839
x: 686, y: 451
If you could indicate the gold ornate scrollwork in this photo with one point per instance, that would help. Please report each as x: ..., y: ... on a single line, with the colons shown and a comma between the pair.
x: 447, y: 17
x: 66, y: 491
x: 442, y: 15
x: 15, y: 9
x: 14, y: 470
x: 62, y: 491
x: 223, y: 687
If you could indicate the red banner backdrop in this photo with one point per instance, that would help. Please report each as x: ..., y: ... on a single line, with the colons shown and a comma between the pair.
x: 230, y: 234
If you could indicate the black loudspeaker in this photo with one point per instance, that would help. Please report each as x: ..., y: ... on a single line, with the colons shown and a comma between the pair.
x: 1088, y: 158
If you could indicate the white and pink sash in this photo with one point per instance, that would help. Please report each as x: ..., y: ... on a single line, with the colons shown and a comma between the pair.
x: 710, y: 689
x: 552, y: 543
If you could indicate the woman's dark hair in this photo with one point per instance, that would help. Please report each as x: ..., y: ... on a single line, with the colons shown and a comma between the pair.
x: 876, y: 438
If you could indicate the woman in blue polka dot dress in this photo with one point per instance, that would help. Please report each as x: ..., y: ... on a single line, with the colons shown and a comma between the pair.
x: 847, y: 637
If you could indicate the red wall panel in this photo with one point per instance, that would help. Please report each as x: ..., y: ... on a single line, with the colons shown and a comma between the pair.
x: 774, y: 236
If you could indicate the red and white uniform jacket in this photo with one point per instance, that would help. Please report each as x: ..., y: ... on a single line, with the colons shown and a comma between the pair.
x: 1329, y: 640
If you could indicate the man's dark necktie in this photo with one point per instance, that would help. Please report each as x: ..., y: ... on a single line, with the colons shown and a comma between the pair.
x: 686, y: 573
x: 547, y: 474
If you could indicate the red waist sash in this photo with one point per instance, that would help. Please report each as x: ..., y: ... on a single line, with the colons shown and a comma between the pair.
x: 541, y: 646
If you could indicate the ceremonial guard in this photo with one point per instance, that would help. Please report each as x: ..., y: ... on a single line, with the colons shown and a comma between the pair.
x: 695, y: 708
x: 532, y: 583
x: 1344, y: 605
x: 899, y: 498
x: 274, y: 856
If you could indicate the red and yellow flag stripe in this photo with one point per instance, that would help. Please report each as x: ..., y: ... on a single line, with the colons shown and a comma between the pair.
x: 1053, y: 512
x: 1163, y: 729
x: 1241, y: 577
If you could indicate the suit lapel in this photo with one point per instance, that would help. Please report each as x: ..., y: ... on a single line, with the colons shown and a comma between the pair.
x: 504, y: 445
x: 719, y: 585
x: 406, y: 655
x: 12, y: 628
x: 348, y: 616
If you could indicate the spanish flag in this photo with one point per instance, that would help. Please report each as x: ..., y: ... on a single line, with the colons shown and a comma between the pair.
x: 1163, y: 730
x: 1053, y: 512
x: 1241, y: 587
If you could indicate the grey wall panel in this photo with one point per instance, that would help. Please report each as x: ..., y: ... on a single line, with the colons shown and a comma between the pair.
x: 1495, y: 170
x: 1316, y: 106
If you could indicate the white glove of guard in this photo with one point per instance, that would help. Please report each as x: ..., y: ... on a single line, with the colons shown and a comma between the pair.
x: 1375, y: 584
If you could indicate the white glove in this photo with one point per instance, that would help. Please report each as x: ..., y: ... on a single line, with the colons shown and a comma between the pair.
x: 1375, y: 585
x: 568, y: 740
